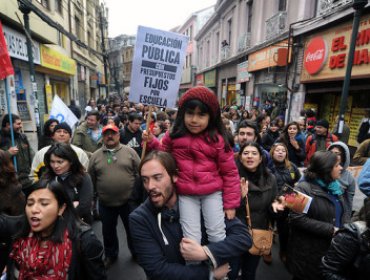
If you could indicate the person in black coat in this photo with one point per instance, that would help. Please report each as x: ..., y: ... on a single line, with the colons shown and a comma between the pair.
x: 261, y: 188
x: 157, y: 235
x: 286, y: 173
x: 53, y: 243
x: 348, y: 256
x: 46, y: 139
x: 290, y: 136
x: 312, y: 232
x: 63, y: 165
x: 12, y: 201
x: 270, y: 137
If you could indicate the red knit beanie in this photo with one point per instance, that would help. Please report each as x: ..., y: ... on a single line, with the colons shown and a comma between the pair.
x: 204, y: 95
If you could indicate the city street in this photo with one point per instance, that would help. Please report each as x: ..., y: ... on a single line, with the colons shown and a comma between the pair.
x: 125, y: 268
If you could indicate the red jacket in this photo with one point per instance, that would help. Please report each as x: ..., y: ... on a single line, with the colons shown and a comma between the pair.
x: 204, y: 168
x: 311, y: 145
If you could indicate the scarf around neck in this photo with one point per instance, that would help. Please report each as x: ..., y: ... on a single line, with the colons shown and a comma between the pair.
x: 332, y: 188
x: 42, y: 259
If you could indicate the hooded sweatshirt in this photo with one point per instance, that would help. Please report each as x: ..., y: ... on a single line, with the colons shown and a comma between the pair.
x: 346, y: 180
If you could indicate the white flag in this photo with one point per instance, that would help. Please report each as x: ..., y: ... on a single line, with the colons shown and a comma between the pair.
x: 62, y: 113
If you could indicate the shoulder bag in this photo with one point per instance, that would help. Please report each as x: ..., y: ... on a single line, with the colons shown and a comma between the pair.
x: 261, y: 238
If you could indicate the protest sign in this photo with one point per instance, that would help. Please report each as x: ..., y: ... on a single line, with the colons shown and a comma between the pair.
x: 62, y: 113
x: 157, y: 67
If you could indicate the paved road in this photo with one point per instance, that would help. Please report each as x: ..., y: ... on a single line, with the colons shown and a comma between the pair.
x: 126, y: 269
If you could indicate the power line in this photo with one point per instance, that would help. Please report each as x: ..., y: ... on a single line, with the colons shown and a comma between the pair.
x: 59, y: 27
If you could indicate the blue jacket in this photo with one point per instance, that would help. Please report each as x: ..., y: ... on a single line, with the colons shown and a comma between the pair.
x: 364, y: 179
x: 161, y: 261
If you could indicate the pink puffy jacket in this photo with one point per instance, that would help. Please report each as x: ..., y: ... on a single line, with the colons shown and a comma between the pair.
x: 204, y: 168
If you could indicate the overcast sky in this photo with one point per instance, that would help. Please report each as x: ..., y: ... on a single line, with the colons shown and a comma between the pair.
x: 125, y: 16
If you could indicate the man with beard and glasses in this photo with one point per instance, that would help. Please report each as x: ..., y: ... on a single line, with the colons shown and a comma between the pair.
x: 21, y: 150
x: 157, y: 236
x: 113, y: 169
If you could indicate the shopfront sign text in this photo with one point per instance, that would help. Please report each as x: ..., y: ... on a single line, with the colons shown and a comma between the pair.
x: 326, y: 53
x: 54, y: 60
x: 17, y: 45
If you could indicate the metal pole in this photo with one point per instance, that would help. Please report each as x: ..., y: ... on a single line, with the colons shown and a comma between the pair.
x: 102, y: 24
x: 358, y: 5
x: 26, y: 10
x: 10, y: 120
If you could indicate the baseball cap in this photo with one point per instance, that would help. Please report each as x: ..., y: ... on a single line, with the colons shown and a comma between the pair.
x: 110, y: 127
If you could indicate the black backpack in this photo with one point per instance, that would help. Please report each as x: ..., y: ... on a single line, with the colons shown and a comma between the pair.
x: 363, y: 132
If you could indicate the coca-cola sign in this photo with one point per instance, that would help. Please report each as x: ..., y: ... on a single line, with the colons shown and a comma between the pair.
x: 315, y: 55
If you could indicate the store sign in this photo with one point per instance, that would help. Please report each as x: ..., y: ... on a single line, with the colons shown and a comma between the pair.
x: 199, y: 80
x: 275, y: 55
x: 17, y: 45
x: 54, y: 60
x: 242, y: 72
x: 315, y: 55
x: 210, y: 78
x: 326, y: 53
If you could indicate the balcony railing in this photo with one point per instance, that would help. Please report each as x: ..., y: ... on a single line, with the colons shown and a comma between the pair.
x: 244, y: 41
x: 225, y: 52
x: 276, y: 25
x: 330, y: 6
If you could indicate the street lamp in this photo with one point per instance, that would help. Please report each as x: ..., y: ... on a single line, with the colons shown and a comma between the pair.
x: 358, y: 6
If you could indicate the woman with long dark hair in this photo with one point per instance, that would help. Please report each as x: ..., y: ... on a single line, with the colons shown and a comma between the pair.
x: 312, y: 232
x: 46, y: 138
x: 286, y: 173
x: 261, y: 191
x: 62, y: 165
x: 53, y: 243
x: 12, y: 202
x: 296, y: 147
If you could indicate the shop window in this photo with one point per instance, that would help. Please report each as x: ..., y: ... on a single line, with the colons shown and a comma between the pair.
x: 44, y: 3
x: 282, y: 5
x: 59, y: 7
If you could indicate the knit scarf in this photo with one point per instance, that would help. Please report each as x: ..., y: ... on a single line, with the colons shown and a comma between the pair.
x: 332, y: 188
x: 41, y: 260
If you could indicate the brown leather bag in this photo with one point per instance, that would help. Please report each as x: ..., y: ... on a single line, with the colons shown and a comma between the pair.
x: 262, y: 239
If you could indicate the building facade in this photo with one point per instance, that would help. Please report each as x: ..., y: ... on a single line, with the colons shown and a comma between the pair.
x: 56, y: 67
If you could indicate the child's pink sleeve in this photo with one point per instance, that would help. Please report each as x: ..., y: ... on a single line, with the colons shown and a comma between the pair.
x: 163, y: 145
x: 231, y: 179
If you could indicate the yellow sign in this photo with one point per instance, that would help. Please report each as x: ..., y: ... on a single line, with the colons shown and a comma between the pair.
x: 49, y: 96
x: 57, y: 61
x: 326, y: 53
x: 274, y: 55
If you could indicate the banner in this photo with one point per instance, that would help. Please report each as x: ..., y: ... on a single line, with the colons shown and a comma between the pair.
x: 62, y: 113
x: 6, y: 67
x: 157, y: 67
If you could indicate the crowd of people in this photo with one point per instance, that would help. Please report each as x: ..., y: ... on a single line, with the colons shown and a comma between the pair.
x: 190, y: 186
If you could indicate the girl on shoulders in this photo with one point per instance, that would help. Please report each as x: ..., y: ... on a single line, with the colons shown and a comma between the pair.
x: 208, y: 181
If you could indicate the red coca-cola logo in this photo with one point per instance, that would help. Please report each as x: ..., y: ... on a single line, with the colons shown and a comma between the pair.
x: 315, y: 55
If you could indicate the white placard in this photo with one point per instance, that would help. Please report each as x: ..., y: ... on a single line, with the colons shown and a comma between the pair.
x: 157, y: 67
x: 62, y: 113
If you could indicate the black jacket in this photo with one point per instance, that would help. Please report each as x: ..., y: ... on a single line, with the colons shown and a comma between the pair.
x: 311, y: 233
x: 87, y: 258
x: 268, y: 139
x: 164, y: 262
x: 348, y: 257
x: 284, y: 175
x: 262, y: 192
x: 131, y: 139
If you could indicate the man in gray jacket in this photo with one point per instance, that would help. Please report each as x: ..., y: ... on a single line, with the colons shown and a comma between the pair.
x: 113, y: 169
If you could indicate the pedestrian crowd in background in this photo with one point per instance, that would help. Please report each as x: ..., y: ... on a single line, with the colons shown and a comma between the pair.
x: 194, y: 188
